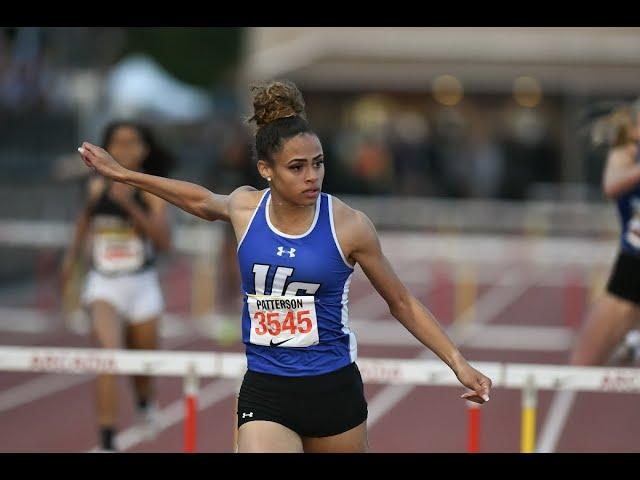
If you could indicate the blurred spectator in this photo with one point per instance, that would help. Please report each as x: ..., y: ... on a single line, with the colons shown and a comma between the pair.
x: 373, y: 164
x: 410, y: 148
x: 451, y: 159
x: 487, y: 163
x: 530, y: 157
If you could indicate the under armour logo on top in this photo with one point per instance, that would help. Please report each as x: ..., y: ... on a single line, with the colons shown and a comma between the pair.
x: 250, y: 414
x: 291, y: 252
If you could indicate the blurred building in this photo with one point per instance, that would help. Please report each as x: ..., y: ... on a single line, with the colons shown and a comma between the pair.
x: 503, y: 111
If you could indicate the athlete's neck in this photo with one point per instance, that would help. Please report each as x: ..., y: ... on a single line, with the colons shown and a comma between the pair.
x: 290, y: 218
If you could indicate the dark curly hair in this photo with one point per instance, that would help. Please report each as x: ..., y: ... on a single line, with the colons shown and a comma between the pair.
x: 279, y: 113
x: 158, y: 161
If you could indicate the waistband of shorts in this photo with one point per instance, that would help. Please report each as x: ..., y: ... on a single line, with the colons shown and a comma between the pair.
x: 343, y: 372
x: 145, y: 269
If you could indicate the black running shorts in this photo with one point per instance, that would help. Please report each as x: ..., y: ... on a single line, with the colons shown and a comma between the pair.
x: 624, y: 281
x: 312, y: 406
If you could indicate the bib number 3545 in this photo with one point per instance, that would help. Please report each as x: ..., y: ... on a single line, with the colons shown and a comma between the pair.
x: 283, y: 321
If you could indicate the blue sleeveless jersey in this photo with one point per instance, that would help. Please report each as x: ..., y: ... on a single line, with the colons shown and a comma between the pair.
x: 272, y: 262
x: 629, y: 211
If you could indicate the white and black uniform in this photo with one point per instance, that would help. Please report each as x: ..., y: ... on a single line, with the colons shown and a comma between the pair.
x: 122, y: 263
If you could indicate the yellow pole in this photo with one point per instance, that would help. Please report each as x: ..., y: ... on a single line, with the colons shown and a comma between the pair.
x: 466, y: 293
x: 528, y: 424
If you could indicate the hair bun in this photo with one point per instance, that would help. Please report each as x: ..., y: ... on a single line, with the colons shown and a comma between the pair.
x: 275, y: 100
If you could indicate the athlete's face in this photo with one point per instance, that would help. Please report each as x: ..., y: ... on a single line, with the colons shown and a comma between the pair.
x: 127, y: 147
x: 298, y: 169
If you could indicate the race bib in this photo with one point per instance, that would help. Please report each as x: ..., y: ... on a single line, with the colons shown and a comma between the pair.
x: 279, y: 321
x: 117, y: 252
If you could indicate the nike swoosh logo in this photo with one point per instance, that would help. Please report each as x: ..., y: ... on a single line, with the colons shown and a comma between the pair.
x: 272, y: 344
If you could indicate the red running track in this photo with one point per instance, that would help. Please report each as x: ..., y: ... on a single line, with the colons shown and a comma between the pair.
x: 55, y: 413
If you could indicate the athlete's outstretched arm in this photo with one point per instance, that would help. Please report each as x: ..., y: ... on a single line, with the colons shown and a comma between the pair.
x: 80, y: 231
x: 409, y: 310
x: 190, y: 197
x: 622, y: 172
x: 73, y: 250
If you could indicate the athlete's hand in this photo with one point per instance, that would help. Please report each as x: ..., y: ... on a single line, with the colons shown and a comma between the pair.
x: 98, y: 159
x: 475, y: 381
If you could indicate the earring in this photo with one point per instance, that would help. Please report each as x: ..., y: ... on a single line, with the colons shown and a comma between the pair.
x: 268, y: 179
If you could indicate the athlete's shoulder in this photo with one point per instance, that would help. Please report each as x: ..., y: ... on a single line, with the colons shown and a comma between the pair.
x: 352, y: 225
x: 243, y: 201
x: 343, y: 214
x: 245, y: 196
x: 95, y: 187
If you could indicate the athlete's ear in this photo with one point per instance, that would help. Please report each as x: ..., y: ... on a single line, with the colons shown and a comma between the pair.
x: 265, y: 170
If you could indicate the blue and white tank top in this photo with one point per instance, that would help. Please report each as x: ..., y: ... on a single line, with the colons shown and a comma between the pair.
x: 295, y: 319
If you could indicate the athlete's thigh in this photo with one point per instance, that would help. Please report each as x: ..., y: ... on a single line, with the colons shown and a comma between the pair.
x: 105, y: 324
x: 261, y: 436
x: 607, y: 323
x: 351, y: 441
x: 143, y: 335
x: 145, y: 299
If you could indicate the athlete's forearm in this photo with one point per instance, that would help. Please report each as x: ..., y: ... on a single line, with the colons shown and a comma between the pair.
x: 423, y: 325
x: 158, y: 233
x: 188, y: 196
x: 79, y: 236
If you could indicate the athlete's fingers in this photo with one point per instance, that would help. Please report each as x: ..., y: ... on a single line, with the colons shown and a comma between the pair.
x: 83, y: 155
x: 480, y: 390
x: 91, y: 149
x: 485, y: 385
x: 90, y: 146
x: 85, y: 152
x: 474, y: 397
x: 479, y: 393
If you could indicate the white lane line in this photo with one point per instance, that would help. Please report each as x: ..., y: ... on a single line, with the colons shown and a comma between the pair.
x: 522, y: 338
x: 389, y: 332
x: 27, y: 320
x: 370, y: 304
x: 556, y: 419
x: 32, y: 320
x: 173, y: 413
x: 512, y: 285
x: 381, y: 332
x: 39, y: 387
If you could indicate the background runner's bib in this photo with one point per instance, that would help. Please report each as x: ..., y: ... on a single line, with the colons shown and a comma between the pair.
x: 117, y: 247
x: 118, y: 251
x: 279, y: 321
